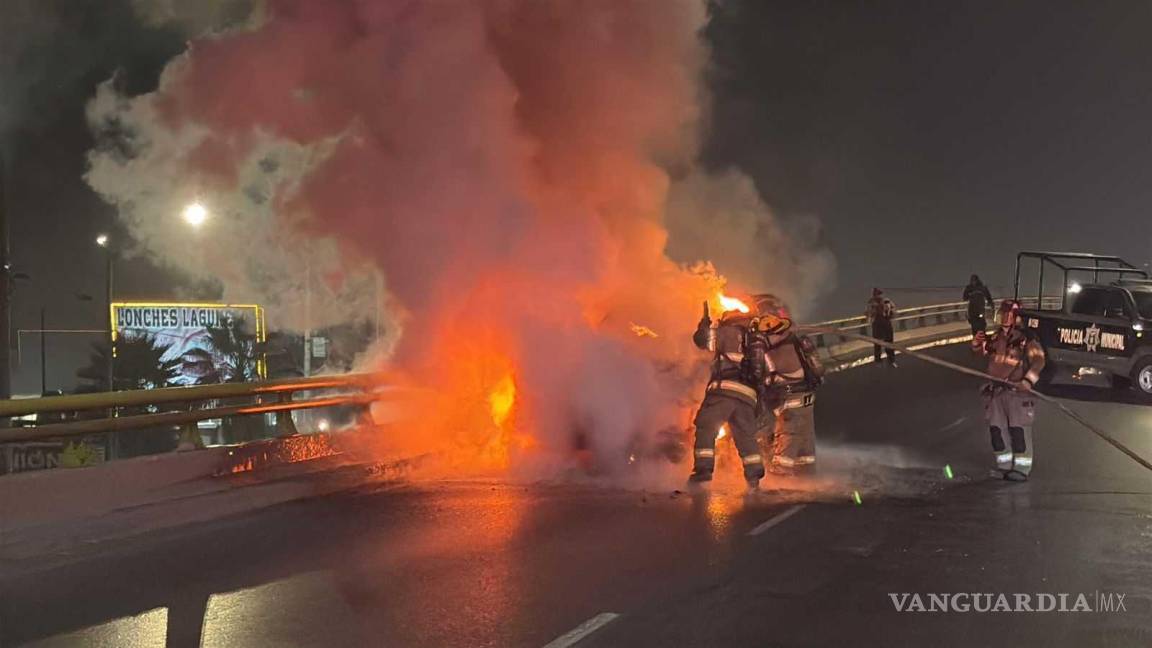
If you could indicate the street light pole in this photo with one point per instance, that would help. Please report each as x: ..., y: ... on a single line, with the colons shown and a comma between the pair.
x: 103, y: 241
x: 111, y: 327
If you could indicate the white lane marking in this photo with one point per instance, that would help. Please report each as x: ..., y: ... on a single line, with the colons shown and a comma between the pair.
x: 953, y: 424
x: 776, y: 520
x: 583, y: 630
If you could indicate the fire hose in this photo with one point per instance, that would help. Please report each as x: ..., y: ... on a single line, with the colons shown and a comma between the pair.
x: 980, y: 374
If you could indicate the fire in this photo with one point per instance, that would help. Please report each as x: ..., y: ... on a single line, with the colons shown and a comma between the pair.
x: 643, y: 331
x: 732, y: 304
x: 501, y: 399
x: 722, y: 433
x: 519, y: 219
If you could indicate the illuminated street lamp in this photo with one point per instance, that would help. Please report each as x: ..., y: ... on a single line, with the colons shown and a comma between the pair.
x: 104, y: 241
x: 195, y: 214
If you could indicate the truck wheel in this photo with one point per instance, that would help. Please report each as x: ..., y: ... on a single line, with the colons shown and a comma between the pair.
x: 1142, y: 377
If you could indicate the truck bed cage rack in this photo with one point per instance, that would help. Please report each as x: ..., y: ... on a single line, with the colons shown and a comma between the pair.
x: 1067, y: 262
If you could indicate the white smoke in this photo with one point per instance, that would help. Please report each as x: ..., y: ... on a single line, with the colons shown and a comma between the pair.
x: 723, y: 218
x: 197, y: 17
x: 258, y: 252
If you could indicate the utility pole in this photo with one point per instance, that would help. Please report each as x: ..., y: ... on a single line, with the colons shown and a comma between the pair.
x: 5, y: 290
x: 308, y: 313
x: 43, y: 353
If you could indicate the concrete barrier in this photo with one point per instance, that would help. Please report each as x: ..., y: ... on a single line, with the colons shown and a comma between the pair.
x: 53, y: 512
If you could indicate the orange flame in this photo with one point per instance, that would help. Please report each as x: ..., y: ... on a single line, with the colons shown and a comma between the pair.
x: 643, y: 331
x: 501, y: 399
x: 732, y: 304
x: 722, y: 433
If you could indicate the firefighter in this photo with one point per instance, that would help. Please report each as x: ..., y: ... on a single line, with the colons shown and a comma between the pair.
x: 732, y: 396
x: 879, y: 312
x: 1017, y: 358
x: 793, y: 373
x: 977, y: 296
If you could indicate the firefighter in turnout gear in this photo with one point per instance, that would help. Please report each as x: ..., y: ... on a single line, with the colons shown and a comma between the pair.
x: 1016, y: 357
x: 732, y: 396
x: 793, y: 373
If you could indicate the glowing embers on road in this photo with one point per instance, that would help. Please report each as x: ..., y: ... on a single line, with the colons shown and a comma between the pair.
x: 274, y: 452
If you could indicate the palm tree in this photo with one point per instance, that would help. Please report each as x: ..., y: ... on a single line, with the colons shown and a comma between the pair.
x: 139, y: 364
x: 234, y: 349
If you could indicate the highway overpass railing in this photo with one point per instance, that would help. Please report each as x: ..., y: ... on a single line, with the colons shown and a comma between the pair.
x: 917, y: 326
x: 92, y: 427
x: 81, y: 429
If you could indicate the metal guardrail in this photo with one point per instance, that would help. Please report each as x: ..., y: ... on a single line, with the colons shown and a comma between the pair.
x: 911, y: 318
x: 81, y: 415
x: 199, y: 403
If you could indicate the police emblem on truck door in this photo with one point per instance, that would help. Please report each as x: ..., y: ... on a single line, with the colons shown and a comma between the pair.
x: 1092, y: 338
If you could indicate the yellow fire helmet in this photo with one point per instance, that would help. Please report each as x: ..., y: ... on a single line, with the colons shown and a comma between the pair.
x: 773, y: 316
x: 772, y: 324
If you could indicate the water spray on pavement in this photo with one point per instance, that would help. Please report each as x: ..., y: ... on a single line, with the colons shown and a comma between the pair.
x: 979, y: 374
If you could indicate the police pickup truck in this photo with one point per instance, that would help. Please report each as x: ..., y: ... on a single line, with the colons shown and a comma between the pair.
x: 1101, y: 323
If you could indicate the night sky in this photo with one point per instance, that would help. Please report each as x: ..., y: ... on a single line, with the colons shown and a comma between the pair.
x: 936, y: 139
x: 931, y: 139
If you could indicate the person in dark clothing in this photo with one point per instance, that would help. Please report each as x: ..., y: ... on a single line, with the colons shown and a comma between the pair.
x: 977, y: 296
x: 879, y: 313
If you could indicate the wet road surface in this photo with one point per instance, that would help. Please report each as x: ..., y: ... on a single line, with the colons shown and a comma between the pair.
x: 495, y: 564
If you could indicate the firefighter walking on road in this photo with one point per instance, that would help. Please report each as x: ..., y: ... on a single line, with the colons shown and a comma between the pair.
x: 732, y: 396
x: 879, y: 312
x: 1017, y: 358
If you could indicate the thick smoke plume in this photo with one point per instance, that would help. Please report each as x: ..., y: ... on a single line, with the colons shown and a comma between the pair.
x: 503, y: 163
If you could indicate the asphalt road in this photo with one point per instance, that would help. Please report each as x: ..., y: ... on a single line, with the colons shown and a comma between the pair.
x: 498, y: 564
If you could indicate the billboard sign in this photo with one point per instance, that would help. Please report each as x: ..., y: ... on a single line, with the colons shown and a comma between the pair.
x: 43, y: 455
x: 197, y: 344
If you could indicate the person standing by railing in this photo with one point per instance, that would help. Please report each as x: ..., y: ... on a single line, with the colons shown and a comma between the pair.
x: 978, y: 297
x: 879, y: 312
